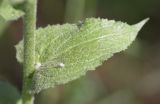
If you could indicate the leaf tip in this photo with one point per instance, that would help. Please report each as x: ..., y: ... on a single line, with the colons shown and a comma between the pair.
x: 141, y: 24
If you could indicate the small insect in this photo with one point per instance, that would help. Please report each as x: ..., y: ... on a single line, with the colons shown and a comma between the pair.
x: 61, y: 65
x: 49, y: 64
x: 38, y: 65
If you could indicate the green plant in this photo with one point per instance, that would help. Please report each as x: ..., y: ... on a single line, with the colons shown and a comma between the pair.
x: 58, y: 54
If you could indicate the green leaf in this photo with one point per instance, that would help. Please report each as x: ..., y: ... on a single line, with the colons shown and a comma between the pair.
x: 15, y: 2
x: 66, y: 52
x: 19, y: 53
x: 83, y: 90
x: 8, y: 94
x: 7, y: 12
x: 3, y: 25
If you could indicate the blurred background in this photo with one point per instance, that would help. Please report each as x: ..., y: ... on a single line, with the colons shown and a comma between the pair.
x: 129, y: 77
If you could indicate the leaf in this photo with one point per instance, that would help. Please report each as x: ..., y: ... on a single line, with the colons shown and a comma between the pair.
x: 66, y: 52
x: 7, y: 12
x: 3, y: 25
x: 8, y: 94
x: 19, y: 53
x: 15, y: 2
x: 83, y: 91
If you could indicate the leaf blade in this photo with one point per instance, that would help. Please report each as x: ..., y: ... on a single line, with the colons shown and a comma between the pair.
x: 8, y: 13
x: 8, y: 94
x: 72, y: 50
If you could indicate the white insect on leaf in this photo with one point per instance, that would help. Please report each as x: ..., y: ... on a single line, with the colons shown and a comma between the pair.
x: 38, y: 65
x: 62, y: 65
x: 54, y: 63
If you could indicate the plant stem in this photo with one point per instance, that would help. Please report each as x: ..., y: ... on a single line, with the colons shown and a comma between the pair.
x: 29, y: 48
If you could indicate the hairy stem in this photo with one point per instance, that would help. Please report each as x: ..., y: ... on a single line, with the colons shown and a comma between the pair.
x: 29, y: 48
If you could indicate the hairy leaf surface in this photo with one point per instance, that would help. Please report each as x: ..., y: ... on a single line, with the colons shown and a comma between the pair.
x: 15, y: 2
x: 7, y: 12
x: 66, y: 52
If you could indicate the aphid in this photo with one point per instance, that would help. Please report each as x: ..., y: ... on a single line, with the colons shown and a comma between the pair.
x: 50, y: 64
x: 61, y: 65
x: 38, y: 65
